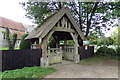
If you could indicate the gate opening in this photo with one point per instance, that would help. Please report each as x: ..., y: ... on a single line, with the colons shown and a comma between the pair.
x: 60, y: 47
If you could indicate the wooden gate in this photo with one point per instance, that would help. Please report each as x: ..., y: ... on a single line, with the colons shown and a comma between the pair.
x: 54, y: 55
x: 69, y: 52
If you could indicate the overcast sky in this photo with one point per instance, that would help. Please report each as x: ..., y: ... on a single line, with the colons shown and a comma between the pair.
x: 11, y: 9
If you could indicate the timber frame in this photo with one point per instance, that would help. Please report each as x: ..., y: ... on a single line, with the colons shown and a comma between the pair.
x: 61, y: 26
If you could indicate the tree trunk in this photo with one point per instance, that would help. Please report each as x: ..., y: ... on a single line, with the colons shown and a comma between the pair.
x: 89, y: 20
x: 80, y: 20
x: 60, y: 5
x: 88, y: 28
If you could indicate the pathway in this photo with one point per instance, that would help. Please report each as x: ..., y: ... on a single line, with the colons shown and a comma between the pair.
x: 106, y: 69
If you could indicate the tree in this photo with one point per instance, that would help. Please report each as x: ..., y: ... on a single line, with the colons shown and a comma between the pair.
x: 25, y: 44
x: 91, y: 16
x: 115, y: 36
x: 94, y: 36
x: 11, y: 38
x: 105, y: 41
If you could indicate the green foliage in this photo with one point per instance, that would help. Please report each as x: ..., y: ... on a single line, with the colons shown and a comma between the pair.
x: 105, y: 51
x: 70, y: 42
x: 4, y: 49
x: 29, y: 73
x: 8, y: 48
x: 118, y: 51
x: 105, y: 41
x: 115, y: 36
x: 61, y: 42
x: 3, y: 32
x: 25, y: 44
x: 90, y: 61
x: 94, y: 36
x: 97, y: 60
x: 88, y: 14
x: 11, y: 38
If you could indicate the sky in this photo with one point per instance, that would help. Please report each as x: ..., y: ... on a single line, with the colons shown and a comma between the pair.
x: 11, y: 9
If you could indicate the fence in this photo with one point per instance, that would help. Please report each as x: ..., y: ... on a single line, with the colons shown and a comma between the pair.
x: 86, y: 53
x: 15, y: 59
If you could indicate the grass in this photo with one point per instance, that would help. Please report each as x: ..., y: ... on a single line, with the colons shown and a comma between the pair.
x: 97, y: 59
x: 3, y: 48
x: 7, y: 48
x: 29, y: 73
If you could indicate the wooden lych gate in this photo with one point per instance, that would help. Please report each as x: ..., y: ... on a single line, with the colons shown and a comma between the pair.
x: 62, y: 27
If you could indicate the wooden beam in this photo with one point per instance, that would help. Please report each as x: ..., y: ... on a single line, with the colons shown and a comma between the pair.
x: 58, y: 24
x: 74, y: 36
x: 75, y: 25
x: 40, y: 40
x: 63, y: 22
x: 45, y: 43
x: 49, y: 35
x: 64, y: 29
x: 44, y: 46
x: 69, y: 25
x: 66, y: 24
x: 50, y: 22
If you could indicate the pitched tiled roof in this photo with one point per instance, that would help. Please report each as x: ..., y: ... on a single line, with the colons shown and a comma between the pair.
x: 19, y: 33
x: 13, y: 25
x: 4, y: 22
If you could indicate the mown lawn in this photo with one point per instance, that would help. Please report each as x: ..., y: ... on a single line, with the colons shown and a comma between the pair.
x: 7, y: 48
x: 97, y: 59
x: 3, y: 48
x: 27, y: 73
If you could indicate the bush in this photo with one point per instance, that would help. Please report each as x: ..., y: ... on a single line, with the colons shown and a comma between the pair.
x: 25, y: 44
x: 118, y: 51
x: 105, y: 51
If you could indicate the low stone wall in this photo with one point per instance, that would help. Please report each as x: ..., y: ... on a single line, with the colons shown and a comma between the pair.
x: 69, y: 56
x: 55, y: 59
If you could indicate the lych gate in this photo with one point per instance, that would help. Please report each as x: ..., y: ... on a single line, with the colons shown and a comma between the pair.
x: 62, y: 27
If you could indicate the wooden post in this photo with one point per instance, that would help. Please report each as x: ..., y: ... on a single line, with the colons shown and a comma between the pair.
x: 45, y: 59
x: 65, y: 43
x: 57, y: 44
x: 66, y: 24
x: 61, y: 50
x: 40, y: 40
x: 76, y: 55
x: 69, y: 25
x: 65, y: 46
x: 48, y: 51
x: 58, y: 24
x: 63, y: 22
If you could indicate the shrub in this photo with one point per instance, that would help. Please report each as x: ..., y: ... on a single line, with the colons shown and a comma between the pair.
x: 118, y: 51
x: 11, y: 39
x: 105, y: 51
x: 112, y: 51
x: 25, y: 44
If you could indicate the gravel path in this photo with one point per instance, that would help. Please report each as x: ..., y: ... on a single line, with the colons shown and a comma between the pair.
x: 106, y: 69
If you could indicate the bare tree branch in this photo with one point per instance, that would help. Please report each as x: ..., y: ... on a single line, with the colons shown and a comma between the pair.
x: 89, y: 21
